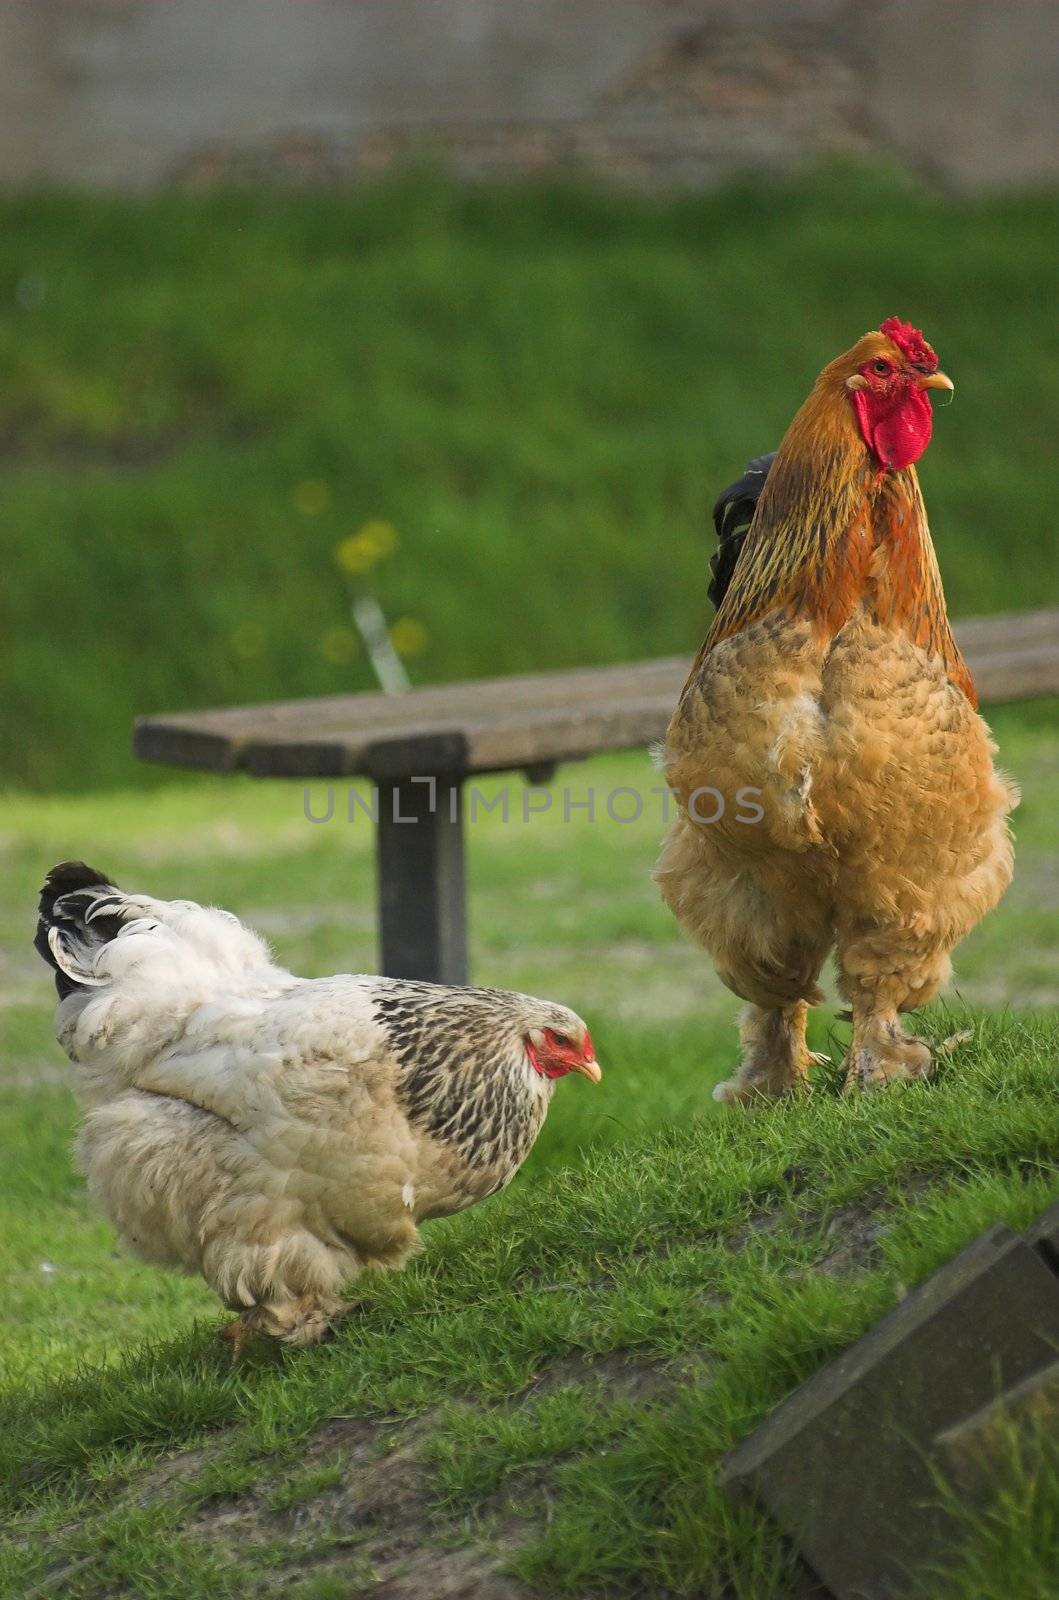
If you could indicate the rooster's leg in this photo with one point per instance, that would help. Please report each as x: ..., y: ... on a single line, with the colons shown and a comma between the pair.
x: 881, y: 1051
x: 884, y: 971
x: 776, y: 1058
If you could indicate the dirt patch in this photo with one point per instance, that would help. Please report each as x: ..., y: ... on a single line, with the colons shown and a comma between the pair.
x: 857, y: 1229
x: 379, y: 1527
x: 375, y: 1528
x: 627, y: 1377
x: 386, y: 1538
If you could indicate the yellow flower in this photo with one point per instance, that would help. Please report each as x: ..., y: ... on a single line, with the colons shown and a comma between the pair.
x: 338, y: 645
x: 371, y: 543
x: 248, y: 640
x: 380, y: 536
x: 409, y: 637
x: 354, y: 556
x: 310, y: 497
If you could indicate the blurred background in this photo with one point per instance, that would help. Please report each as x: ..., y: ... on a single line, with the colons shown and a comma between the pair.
x: 471, y: 307
x: 477, y: 303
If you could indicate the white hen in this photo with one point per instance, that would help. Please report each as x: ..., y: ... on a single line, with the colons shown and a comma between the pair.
x: 278, y: 1134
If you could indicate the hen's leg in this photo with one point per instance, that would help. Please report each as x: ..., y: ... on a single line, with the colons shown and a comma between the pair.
x: 286, y: 1285
x: 295, y: 1320
x: 880, y: 983
x: 882, y: 1051
x: 307, y: 1319
x: 767, y: 923
x: 238, y: 1334
x: 776, y: 1058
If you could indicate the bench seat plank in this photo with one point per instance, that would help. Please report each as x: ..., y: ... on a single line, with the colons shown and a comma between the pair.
x: 499, y: 724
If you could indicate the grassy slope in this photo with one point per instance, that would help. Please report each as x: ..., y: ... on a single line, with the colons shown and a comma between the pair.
x: 624, y: 1255
x: 542, y: 389
x: 708, y: 1255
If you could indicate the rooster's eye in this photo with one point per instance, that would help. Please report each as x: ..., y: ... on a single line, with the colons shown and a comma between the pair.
x: 881, y: 367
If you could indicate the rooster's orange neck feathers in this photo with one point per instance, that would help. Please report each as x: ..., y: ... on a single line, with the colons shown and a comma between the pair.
x: 833, y: 531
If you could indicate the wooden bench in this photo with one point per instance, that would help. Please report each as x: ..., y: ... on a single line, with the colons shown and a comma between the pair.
x: 419, y: 749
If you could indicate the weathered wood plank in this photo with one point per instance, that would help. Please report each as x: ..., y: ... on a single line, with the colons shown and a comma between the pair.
x: 1003, y: 630
x: 843, y: 1464
x: 474, y: 697
x: 974, y: 1451
x: 527, y: 739
x: 1020, y: 673
x: 502, y: 723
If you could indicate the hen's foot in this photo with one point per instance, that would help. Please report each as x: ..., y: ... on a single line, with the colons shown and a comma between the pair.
x: 776, y: 1058
x: 238, y: 1335
x: 882, y: 1052
x: 309, y: 1319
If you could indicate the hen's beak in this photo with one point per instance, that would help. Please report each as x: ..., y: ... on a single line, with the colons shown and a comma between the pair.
x: 937, y: 380
x: 590, y: 1070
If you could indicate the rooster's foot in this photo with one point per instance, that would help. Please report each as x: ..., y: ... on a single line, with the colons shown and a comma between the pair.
x: 749, y: 1089
x: 776, y: 1058
x: 884, y: 1053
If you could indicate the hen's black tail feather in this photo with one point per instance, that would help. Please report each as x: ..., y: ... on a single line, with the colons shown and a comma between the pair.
x: 733, y: 512
x: 69, y: 890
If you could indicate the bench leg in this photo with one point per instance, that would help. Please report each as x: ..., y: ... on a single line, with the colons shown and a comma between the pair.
x: 421, y: 881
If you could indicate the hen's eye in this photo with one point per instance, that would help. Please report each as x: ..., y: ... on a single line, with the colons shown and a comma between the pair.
x: 881, y: 367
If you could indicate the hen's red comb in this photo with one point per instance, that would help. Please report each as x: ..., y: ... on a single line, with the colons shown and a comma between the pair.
x: 910, y: 342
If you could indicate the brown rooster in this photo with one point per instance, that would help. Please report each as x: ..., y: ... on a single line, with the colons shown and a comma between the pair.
x: 830, y: 707
x: 278, y: 1134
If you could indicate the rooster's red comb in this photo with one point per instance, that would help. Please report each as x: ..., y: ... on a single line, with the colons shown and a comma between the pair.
x: 910, y: 342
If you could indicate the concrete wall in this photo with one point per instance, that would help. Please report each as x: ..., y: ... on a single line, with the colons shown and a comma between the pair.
x: 133, y: 93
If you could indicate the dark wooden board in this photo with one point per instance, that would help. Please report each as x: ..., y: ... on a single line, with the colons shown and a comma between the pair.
x: 973, y: 1453
x: 843, y: 1464
x: 1044, y: 1236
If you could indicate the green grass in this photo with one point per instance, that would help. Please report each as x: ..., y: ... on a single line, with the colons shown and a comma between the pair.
x: 1009, y: 1549
x: 564, y: 1365
x: 541, y: 389
x: 654, y: 1253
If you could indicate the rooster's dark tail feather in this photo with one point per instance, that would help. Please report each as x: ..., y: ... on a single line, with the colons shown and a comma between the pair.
x: 733, y: 512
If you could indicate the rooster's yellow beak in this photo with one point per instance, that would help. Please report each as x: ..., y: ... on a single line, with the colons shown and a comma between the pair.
x: 937, y: 380
x: 590, y: 1070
